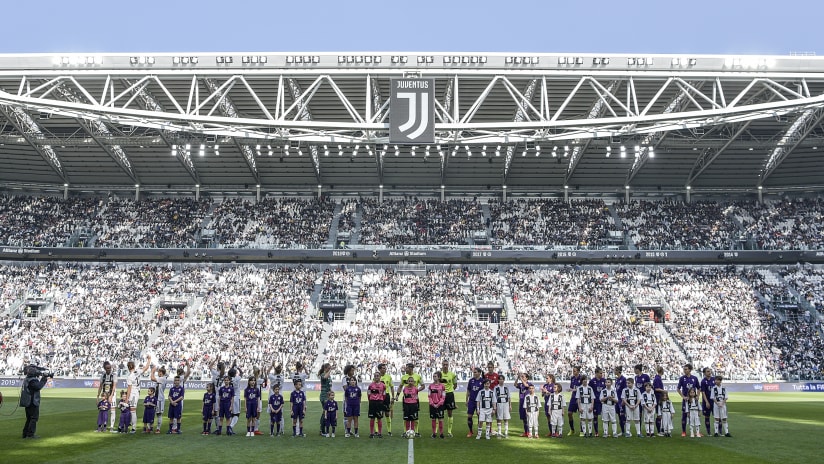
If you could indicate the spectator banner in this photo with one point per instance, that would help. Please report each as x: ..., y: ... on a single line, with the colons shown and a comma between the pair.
x: 412, y: 111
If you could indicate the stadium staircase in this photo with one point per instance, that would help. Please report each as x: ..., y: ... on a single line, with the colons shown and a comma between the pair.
x: 332, y: 241
x: 767, y: 305
x: 312, y: 310
x: 614, y: 212
x: 666, y: 337
x: 354, y: 235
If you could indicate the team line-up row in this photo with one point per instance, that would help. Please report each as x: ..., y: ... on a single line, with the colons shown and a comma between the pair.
x: 626, y: 402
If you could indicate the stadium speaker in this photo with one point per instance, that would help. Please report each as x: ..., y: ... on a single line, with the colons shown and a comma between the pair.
x: 354, y: 255
x: 269, y: 254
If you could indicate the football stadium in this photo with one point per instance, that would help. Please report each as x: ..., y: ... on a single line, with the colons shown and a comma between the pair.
x: 507, y: 241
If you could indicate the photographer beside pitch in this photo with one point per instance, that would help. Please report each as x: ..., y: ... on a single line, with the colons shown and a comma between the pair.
x: 36, y: 378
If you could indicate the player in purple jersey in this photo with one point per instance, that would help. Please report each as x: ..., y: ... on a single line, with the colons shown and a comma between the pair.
x: 103, y: 407
x: 149, y: 408
x: 208, y: 410
x: 598, y: 384
x: 125, y: 417
x: 176, y: 394
x: 658, y: 387
x: 641, y: 378
x: 225, y: 398
x: 522, y: 383
x: 475, y: 384
x: 298, y: 401
x: 352, y: 396
x: 547, y: 390
x: 252, y: 397
x: 330, y: 415
x: 685, y: 383
x: 574, y: 383
x: 707, y: 382
x: 275, y: 411
x: 620, y: 386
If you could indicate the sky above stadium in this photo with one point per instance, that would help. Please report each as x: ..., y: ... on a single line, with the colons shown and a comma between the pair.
x: 532, y: 26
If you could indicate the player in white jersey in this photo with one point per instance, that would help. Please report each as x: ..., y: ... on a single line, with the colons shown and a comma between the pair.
x: 108, y: 384
x: 632, y: 407
x: 503, y: 406
x: 556, y: 412
x: 532, y: 407
x: 133, y: 388
x: 666, y: 409
x: 586, y: 404
x: 693, y: 407
x: 235, y: 375
x: 649, y: 405
x: 160, y: 377
x: 608, y: 399
x: 486, y: 408
x: 719, y: 397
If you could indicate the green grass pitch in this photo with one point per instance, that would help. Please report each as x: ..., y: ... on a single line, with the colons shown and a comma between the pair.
x: 766, y: 427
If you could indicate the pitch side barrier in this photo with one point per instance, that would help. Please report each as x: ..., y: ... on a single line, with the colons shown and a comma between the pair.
x: 393, y: 256
x: 309, y: 385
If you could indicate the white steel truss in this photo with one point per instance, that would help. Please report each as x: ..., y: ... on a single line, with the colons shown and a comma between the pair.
x: 34, y: 136
x: 108, y: 98
x: 798, y: 131
x: 227, y: 108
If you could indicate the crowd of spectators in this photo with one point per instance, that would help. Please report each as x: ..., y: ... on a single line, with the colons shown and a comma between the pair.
x: 580, y: 317
x: 336, y: 283
x: 718, y: 320
x: 547, y: 222
x: 809, y: 281
x: 28, y: 221
x: 100, y: 313
x: 415, y: 221
x: 272, y: 223
x: 672, y: 225
x: 149, y: 223
x: 786, y: 224
x: 346, y: 219
x: 252, y: 316
x: 410, y: 317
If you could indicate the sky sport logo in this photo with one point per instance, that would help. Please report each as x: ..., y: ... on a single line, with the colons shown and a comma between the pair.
x: 412, y: 106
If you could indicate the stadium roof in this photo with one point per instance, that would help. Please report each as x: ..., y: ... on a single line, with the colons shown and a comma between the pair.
x: 530, y: 122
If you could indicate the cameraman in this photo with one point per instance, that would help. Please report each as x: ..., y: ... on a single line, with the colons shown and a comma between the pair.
x: 36, y: 378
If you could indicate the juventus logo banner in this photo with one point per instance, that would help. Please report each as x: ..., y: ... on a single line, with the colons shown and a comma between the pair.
x: 412, y: 111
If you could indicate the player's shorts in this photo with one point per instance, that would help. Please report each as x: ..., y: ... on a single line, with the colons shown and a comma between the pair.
x: 470, y: 407
x: 252, y: 412
x: 352, y: 410
x: 387, y: 403
x: 707, y: 410
x: 484, y: 415
x: 720, y: 412
x: 331, y: 421
x: 175, y: 411
x: 149, y: 415
x: 224, y: 411
x: 556, y: 417
x: 297, y: 411
x: 236, y: 406
x: 410, y: 411
x: 649, y: 416
x: 276, y: 417
x: 546, y: 406
x: 585, y: 412
x: 573, y: 405
x: 521, y: 411
x: 376, y: 409
x: 596, y: 407
x: 633, y: 414
x: 436, y: 413
x: 608, y: 413
x: 207, y: 412
x: 449, y: 402
x: 134, y: 399
x: 502, y: 411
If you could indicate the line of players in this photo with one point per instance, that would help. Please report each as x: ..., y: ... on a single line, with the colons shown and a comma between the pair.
x: 616, y: 402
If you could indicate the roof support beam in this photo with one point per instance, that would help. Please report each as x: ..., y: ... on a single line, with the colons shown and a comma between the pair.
x: 708, y: 155
x: 150, y: 103
x: 31, y: 131
x: 651, y: 141
x: 449, y: 102
x: 227, y: 108
x: 374, y: 105
x: 96, y: 129
x: 797, y: 132
x: 520, y: 115
x: 303, y: 114
x: 597, y: 110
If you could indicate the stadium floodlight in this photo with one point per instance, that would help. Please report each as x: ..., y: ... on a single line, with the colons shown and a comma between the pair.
x: 377, y: 59
x: 188, y: 147
x: 367, y: 59
x: 412, y: 150
x: 355, y: 151
x: 404, y: 59
x: 517, y: 60
x: 536, y: 60
x: 465, y: 60
x: 193, y: 59
x: 300, y: 152
x: 430, y: 59
x: 255, y: 59
x: 175, y: 60
x: 579, y: 60
x: 523, y: 153
x: 184, y: 60
x: 651, y: 152
x: 562, y: 60
x: 219, y: 59
x: 447, y: 60
x: 315, y: 59
x: 508, y: 60
x: 689, y: 187
x: 397, y: 151
x: 263, y: 59
x: 609, y: 151
x: 133, y: 59
x: 269, y: 147
x: 286, y: 149
x: 641, y: 61
x: 676, y: 62
x: 482, y: 59
x: 290, y: 59
x: 605, y: 60
x: 631, y: 61
x: 692, y: 61
x: 623, y: 151
x: 340, y: 150
x: 371, y: 153
x: 395, y: 59
x: 637, y: 148
x: 341, y: 59
x: 428, y: 149
x: 358, y: 59
x: 596, y: 61
x: 421, y: 59
x: 473, y: 59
